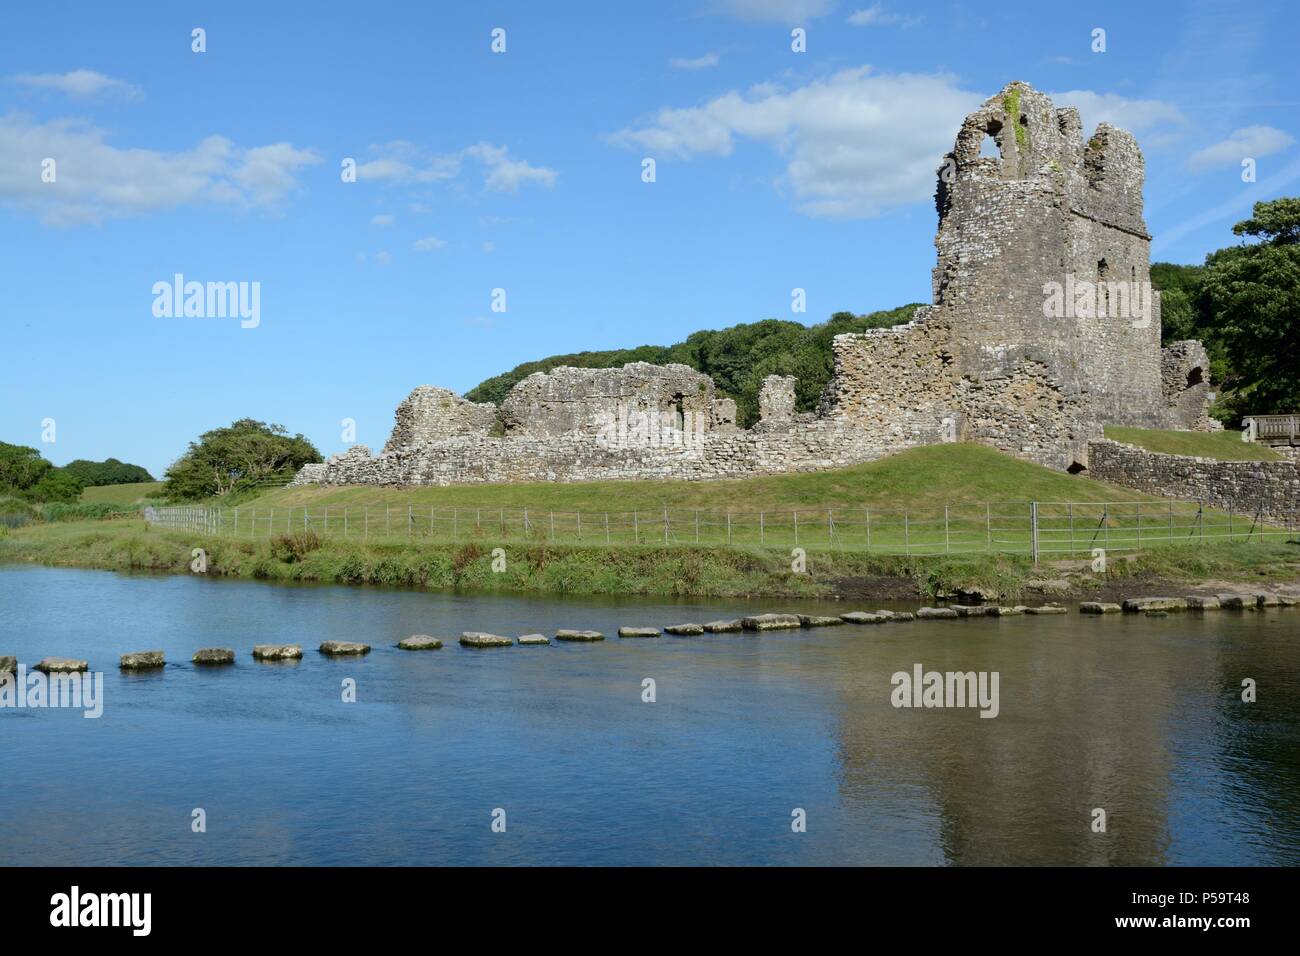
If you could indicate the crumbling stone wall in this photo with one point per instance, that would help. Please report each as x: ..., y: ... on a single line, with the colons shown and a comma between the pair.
x: 572, y: 400
x: 1245, y: 486
x: 776, y: 401
x: 432, y: 414
x: 1185, y: 383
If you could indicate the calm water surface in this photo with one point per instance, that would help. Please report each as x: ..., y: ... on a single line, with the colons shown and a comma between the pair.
x: 1140, y: 716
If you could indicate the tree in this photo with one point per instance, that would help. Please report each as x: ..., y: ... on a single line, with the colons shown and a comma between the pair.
x: 21, y: 467
x: 107, y: 472
x: 1249, y: 299
x: 242, y: 453
x: 55, y: 485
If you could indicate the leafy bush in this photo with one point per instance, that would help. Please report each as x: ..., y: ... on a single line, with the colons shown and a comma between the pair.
x: 81, y: 510
x: 294, y: 547
x: 107, y: 472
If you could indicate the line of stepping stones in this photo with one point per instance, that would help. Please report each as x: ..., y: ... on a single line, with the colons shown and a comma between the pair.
x: 1150, y: 606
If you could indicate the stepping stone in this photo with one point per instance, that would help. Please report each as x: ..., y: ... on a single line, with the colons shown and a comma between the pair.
x: 770, y: 622
x: 209, y: 656
x: 684, y: 630
x: 420, y: 642
x: 1045, y: 609
x: 1195, y: 603
x: 930, y: 613
x: 8, y: 665
x: 61, y: 665
x: 1233, y: 602
x: 638, y: 632
x: 1287, y: 600
x: 866, y: 617
x: 481, y: 639
x: 1133, y: 605
x: 344, y: 648
x: 1013, y: 611
x: 1155, y: 613
x: 817, y: 620
x: 142, y: 661
x: 570, y: 635
x: 723, y: 627
x: 981, y: 610
x: 1099, y: 607
x: 277, y: 652
x: 531, y: 640
x: 899, y: 617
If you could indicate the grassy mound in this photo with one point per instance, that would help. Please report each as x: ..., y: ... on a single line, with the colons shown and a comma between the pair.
x: 1224, y: 445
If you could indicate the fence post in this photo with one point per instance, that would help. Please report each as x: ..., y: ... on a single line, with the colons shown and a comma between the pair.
x: 552, y: 527
x: 1033, y: 528
x: 947, y: 547
x: 866, y: 513
x: 907, y: 542
x: 636, y: 529
x: 728, y: 528
x: 579, y: 514
x: 607, y: 527
x: 665, y: 526
x: 795, y: 515
x: 410, y: 521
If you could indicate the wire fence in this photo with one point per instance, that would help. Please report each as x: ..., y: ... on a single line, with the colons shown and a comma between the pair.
x: 1038, y: 528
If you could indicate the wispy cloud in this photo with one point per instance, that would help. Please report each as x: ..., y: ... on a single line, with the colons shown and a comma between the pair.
x: 429, y: 244
x: 775, y: 11
x: 95, y: 180
x: 1250, y: 142
x: 383, y: 219
x: 80, y: 84
x: 404, y: 162
x: 877, y: 15
x: 697, y: 63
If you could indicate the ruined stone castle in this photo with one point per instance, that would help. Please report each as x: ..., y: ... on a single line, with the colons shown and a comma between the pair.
x: 1043, y: 329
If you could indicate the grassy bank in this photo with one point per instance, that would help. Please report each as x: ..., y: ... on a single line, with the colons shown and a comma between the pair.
x: 128, y: 545
x: 129, y: 494
x: 1223, y: 446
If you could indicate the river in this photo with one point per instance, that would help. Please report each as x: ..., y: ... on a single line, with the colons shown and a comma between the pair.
x: 747, y: 737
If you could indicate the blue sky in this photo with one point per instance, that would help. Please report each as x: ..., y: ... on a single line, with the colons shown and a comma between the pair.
x: 522, y: 171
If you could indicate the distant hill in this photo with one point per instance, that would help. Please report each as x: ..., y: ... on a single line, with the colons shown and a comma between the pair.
x: 737, y: 358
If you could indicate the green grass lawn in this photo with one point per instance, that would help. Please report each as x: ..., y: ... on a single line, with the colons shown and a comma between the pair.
x: 121, y: 494
x: 1224, y: 445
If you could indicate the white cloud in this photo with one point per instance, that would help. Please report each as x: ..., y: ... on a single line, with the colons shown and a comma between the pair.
x: 698, y: 63
x: 779, y: 11
x: 430, y: 244
x: 855, y: 143
x: 80, y: 84
x: 404, y: 162
x: 877, y: 15
x: 382, y: 219
x: 1252, y: 142
x: 383, y: 258
x: 1136, y: 116
x: 489, y: 246
x: 96, y: 181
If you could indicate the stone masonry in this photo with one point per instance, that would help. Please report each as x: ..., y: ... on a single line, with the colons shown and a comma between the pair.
x: 1043, y: 329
